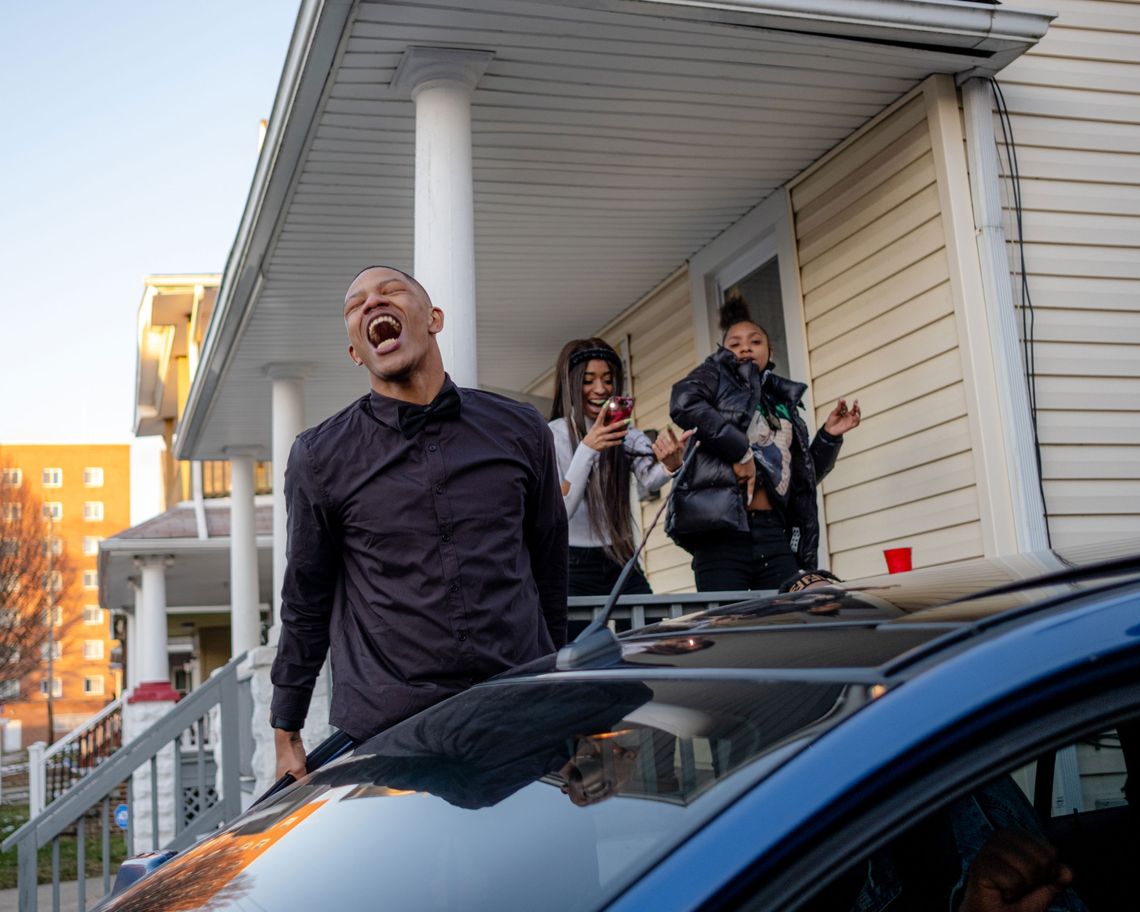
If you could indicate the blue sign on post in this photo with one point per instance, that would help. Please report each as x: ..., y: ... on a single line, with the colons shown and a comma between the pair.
x: 122, y: 816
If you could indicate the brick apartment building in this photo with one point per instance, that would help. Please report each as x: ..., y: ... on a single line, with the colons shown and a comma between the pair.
x: 85, y: 491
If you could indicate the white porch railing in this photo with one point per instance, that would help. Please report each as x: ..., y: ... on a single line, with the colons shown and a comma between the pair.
x: 633, y: 611
x: 55, y: 769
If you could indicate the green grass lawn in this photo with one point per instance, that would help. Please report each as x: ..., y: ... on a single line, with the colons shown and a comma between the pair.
x: 12, y: 817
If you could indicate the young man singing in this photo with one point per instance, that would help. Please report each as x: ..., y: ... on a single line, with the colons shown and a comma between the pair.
x: 427, y: 533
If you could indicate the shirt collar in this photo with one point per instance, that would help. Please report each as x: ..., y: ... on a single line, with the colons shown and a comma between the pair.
x: 384, y: 408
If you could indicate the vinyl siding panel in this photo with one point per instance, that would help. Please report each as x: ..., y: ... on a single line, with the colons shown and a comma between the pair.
x: 1075, y: 108
x: 661, y: 351
x: 881, y: 327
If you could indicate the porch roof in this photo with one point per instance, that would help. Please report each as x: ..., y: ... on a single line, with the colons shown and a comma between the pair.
x: 612, y: 140
x: 199, y: 571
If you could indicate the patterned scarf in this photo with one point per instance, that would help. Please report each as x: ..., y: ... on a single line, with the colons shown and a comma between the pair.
x: 770, y: 433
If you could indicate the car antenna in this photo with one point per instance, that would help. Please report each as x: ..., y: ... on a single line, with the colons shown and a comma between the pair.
x: 597, y: 645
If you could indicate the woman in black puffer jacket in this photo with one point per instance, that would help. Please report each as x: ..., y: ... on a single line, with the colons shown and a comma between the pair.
x: 746, y: 508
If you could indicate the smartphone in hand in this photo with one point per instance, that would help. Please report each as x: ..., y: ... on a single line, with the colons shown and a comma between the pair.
x: 620, y: 408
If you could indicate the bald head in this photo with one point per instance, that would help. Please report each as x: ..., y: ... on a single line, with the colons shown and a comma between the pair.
x: 411, y: 278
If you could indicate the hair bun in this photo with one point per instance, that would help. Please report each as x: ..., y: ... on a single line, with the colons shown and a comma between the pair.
x: 734, y: 310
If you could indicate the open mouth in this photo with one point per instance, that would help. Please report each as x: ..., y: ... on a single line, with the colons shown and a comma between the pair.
x: 384, y: 333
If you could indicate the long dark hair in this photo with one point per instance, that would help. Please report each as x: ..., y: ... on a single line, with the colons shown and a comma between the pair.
x: 607, y: 493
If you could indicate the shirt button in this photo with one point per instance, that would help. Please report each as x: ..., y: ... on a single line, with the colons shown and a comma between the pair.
x: 439, y: 489
x: 446, y: 538
x: 453, y: 588
x: 432, y: 448
x: 461, y: 636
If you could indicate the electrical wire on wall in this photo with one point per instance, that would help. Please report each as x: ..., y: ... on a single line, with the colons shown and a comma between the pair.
x: 1026, y: 300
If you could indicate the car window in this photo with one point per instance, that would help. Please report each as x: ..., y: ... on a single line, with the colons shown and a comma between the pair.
x: 1071, y: 803
x: 1087, y: 775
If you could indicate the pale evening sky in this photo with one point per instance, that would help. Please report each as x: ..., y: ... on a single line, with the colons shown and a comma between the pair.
x: 129, y: 142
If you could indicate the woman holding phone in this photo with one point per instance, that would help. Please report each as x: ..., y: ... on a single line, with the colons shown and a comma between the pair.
x: 598, y: 451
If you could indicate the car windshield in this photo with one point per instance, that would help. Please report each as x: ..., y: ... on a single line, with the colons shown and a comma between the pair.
x: 520, y: 794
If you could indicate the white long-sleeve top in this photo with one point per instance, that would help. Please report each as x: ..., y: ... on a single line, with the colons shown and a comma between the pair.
x: 575, y: 465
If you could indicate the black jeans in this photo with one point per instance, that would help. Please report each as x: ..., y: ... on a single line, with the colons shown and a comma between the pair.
x: 757, y: 559
x: 592, y: 573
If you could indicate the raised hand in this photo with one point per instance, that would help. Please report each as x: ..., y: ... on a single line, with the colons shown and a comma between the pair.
x: 842, y: 419
x: 669, y: 448
x: 602, y: 436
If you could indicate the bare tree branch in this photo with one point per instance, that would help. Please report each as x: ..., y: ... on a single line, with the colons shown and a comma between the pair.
x: 36, y: 575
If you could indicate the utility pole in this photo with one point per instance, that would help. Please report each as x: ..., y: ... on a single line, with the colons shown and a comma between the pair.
x: 51, y: 631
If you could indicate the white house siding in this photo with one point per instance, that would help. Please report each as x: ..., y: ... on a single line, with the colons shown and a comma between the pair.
x: 661, y: 351
x: 1075, y: 106
x: 881, y: 327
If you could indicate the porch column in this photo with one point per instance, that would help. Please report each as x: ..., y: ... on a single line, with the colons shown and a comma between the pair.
x: 148, y: 702
x: 131, y: 652
x: 152, y: 667
x: 441, y: 82
x: 288, y: 422
x: 245, y: 612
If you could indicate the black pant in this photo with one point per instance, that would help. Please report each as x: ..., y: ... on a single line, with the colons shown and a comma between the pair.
x: 757, y: 559
x: 592, y: 573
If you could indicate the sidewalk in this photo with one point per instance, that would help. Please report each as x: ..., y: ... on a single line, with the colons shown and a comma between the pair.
x: 68, y: 896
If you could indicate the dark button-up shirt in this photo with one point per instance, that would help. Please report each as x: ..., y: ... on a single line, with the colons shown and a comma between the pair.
x: 428, y: 564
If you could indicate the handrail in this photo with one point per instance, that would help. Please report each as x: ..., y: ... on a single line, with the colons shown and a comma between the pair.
x: 78, y: 731
x: 97, y: 787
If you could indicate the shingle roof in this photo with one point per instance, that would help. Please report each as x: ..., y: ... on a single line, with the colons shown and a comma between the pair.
x: 179, y: 522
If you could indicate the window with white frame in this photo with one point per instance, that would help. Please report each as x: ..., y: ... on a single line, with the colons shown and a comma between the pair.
x: 51, y: 546
x: 93, y: 686
x: 92, y: 614
x: 92, y: 649
x: 9, y: 690
x: 11, y: 477
x: 53, y: 581
x: 90, y: 579
x: 55, y: 613
x: 53, y: 509
x: 55, y: 648
x: 9, y: 547
x: 12, y: 512
x: 755, y: 257
x: 56, y: 687
x: 93, y: 511
x: 53, y: 478
x: 93, y: 477
x: 91, y: 544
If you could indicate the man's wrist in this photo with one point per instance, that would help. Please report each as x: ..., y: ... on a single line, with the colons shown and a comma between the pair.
x: 282, y: 723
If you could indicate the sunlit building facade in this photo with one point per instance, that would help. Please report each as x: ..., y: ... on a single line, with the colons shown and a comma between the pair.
x: 85, y: 491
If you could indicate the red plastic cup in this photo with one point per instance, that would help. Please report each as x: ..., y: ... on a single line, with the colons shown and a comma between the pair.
x: 898, y: 559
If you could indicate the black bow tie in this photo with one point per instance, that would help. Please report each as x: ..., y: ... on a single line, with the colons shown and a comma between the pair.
x: 413, y: 418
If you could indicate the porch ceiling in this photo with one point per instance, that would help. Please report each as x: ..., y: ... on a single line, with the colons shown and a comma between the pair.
x: 612, y: 140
